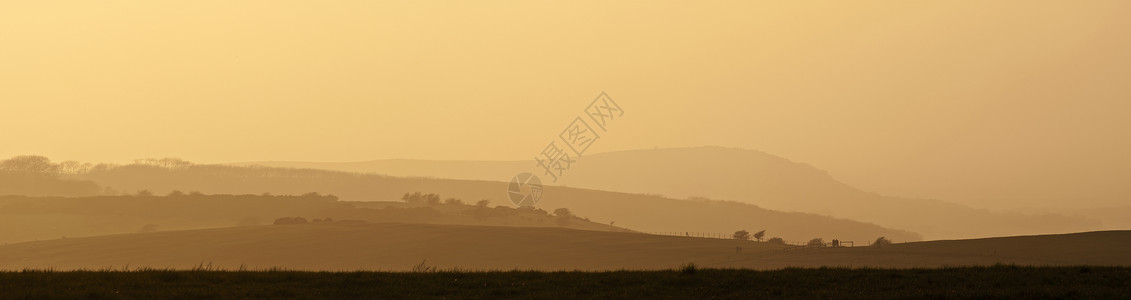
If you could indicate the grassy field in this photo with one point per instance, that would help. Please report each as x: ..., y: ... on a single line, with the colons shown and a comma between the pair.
x: 1003, y: 281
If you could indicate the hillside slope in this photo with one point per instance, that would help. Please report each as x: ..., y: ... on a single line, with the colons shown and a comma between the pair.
x: 746, y: 176
x: 38, y: 218
x: 632, y: 211
x: 354, y: 246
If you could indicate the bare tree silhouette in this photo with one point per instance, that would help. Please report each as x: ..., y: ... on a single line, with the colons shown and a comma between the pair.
x: 816, y: 242
x: 742, y: 235
x: 29, y: 165
x: 881, y: 241
x: 759, y: 235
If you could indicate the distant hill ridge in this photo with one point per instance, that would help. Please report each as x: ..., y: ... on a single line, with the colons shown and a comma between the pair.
x: 639, y: 212
x: 747, y: 176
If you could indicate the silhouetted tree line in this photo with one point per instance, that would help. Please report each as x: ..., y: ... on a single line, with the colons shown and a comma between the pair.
x: 299, y: 220
x: 744, y: 235
x: 29, y: 165
x: 419, y: 198
x: 32, y: 175
x: 290, y: 221
x: 481, y: 210
x: 42, y: 166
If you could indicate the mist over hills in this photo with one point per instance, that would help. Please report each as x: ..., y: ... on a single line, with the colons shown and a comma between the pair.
x: 647, y: 213
x: 649, y: 185
x: 25, y: 218
x: 634, y: 211
x: 746, y: 176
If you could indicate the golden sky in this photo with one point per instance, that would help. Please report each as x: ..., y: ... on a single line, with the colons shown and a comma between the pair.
x: 953, y: 99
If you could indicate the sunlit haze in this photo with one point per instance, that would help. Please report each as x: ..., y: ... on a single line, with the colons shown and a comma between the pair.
x: 1013, y: 101
x: 188, y: 130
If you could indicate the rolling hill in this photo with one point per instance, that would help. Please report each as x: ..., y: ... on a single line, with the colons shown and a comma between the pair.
x: 399, y: 247
x: 746, y: 176
x: 648, y: 213
x: 44, y: 218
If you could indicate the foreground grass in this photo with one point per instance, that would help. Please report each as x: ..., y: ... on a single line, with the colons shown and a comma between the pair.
x: 967, y: 282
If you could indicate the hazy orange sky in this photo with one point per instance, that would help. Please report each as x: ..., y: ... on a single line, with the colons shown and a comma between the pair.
x: 996, y: 103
